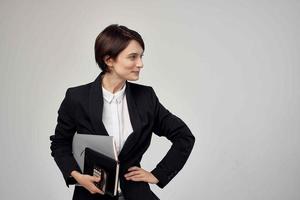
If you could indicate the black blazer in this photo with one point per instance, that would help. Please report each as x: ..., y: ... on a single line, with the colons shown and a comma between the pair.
x: 81, y: 111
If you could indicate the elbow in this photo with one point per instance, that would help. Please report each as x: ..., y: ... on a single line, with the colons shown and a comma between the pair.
x: 186, y: 141
x: 191, y: 140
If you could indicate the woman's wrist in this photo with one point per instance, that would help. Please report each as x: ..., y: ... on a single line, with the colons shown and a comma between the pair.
x: 75, y: 174
x: 155, y: 180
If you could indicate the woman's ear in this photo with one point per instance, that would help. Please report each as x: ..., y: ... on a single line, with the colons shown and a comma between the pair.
x: 108, y: 61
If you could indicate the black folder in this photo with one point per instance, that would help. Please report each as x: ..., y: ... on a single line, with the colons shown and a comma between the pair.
x: 98, y: 164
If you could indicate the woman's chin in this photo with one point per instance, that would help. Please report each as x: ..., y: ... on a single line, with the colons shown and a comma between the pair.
x: 133, y: 78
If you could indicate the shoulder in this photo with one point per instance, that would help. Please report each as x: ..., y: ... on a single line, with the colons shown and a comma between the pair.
x: 79, y: 90
x: 137, y: 86
x: 82, y: 87
x: 143, y: 94
x: 140, y: 89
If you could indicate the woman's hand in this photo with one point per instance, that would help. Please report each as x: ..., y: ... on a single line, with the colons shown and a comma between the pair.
x: 139, y: 174
x: 87, y: 182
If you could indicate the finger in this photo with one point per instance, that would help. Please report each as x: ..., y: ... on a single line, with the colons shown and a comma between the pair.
x: 94, y: 190
x: 134, y: 168
x: 137, y: 178
x: 95, y: 178
x: 132, y: 173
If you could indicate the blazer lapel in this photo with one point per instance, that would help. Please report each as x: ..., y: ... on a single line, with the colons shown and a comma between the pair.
x: 96, y: 106
x: 135, y: 122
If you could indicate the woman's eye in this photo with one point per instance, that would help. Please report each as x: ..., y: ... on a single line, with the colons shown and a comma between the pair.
x: 134, y: 57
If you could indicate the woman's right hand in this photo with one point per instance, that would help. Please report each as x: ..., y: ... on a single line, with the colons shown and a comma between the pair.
x: 87, y: 182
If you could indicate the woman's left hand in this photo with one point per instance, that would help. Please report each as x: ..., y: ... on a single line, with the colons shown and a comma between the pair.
x: 139, y: 174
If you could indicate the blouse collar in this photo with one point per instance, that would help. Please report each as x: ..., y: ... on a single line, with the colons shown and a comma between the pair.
x: 118, y: 96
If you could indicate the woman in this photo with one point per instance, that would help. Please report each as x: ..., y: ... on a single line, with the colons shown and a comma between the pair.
x: 129, y: 112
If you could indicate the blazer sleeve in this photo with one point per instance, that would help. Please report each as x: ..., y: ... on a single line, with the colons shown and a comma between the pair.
x: 61, y: 141
x: 174, y: 129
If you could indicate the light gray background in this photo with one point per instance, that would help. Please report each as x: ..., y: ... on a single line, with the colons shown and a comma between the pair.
x: 229, y: 69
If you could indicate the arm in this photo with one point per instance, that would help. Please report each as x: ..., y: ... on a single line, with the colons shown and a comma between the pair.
x: 61, y: 145
x: 174, y: 129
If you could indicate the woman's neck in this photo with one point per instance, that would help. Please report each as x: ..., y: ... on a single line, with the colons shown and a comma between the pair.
x: 112, y: 83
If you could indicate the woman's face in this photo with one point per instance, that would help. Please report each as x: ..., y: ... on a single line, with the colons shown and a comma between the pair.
x: 128, y: 63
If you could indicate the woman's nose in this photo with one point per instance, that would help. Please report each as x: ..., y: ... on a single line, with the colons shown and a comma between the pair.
x: 140, y: 63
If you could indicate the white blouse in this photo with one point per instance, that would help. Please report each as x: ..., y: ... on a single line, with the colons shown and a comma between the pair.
x: 115, y: 116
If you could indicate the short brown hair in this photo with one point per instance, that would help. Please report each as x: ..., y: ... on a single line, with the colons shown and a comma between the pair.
x: 111, y: 41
